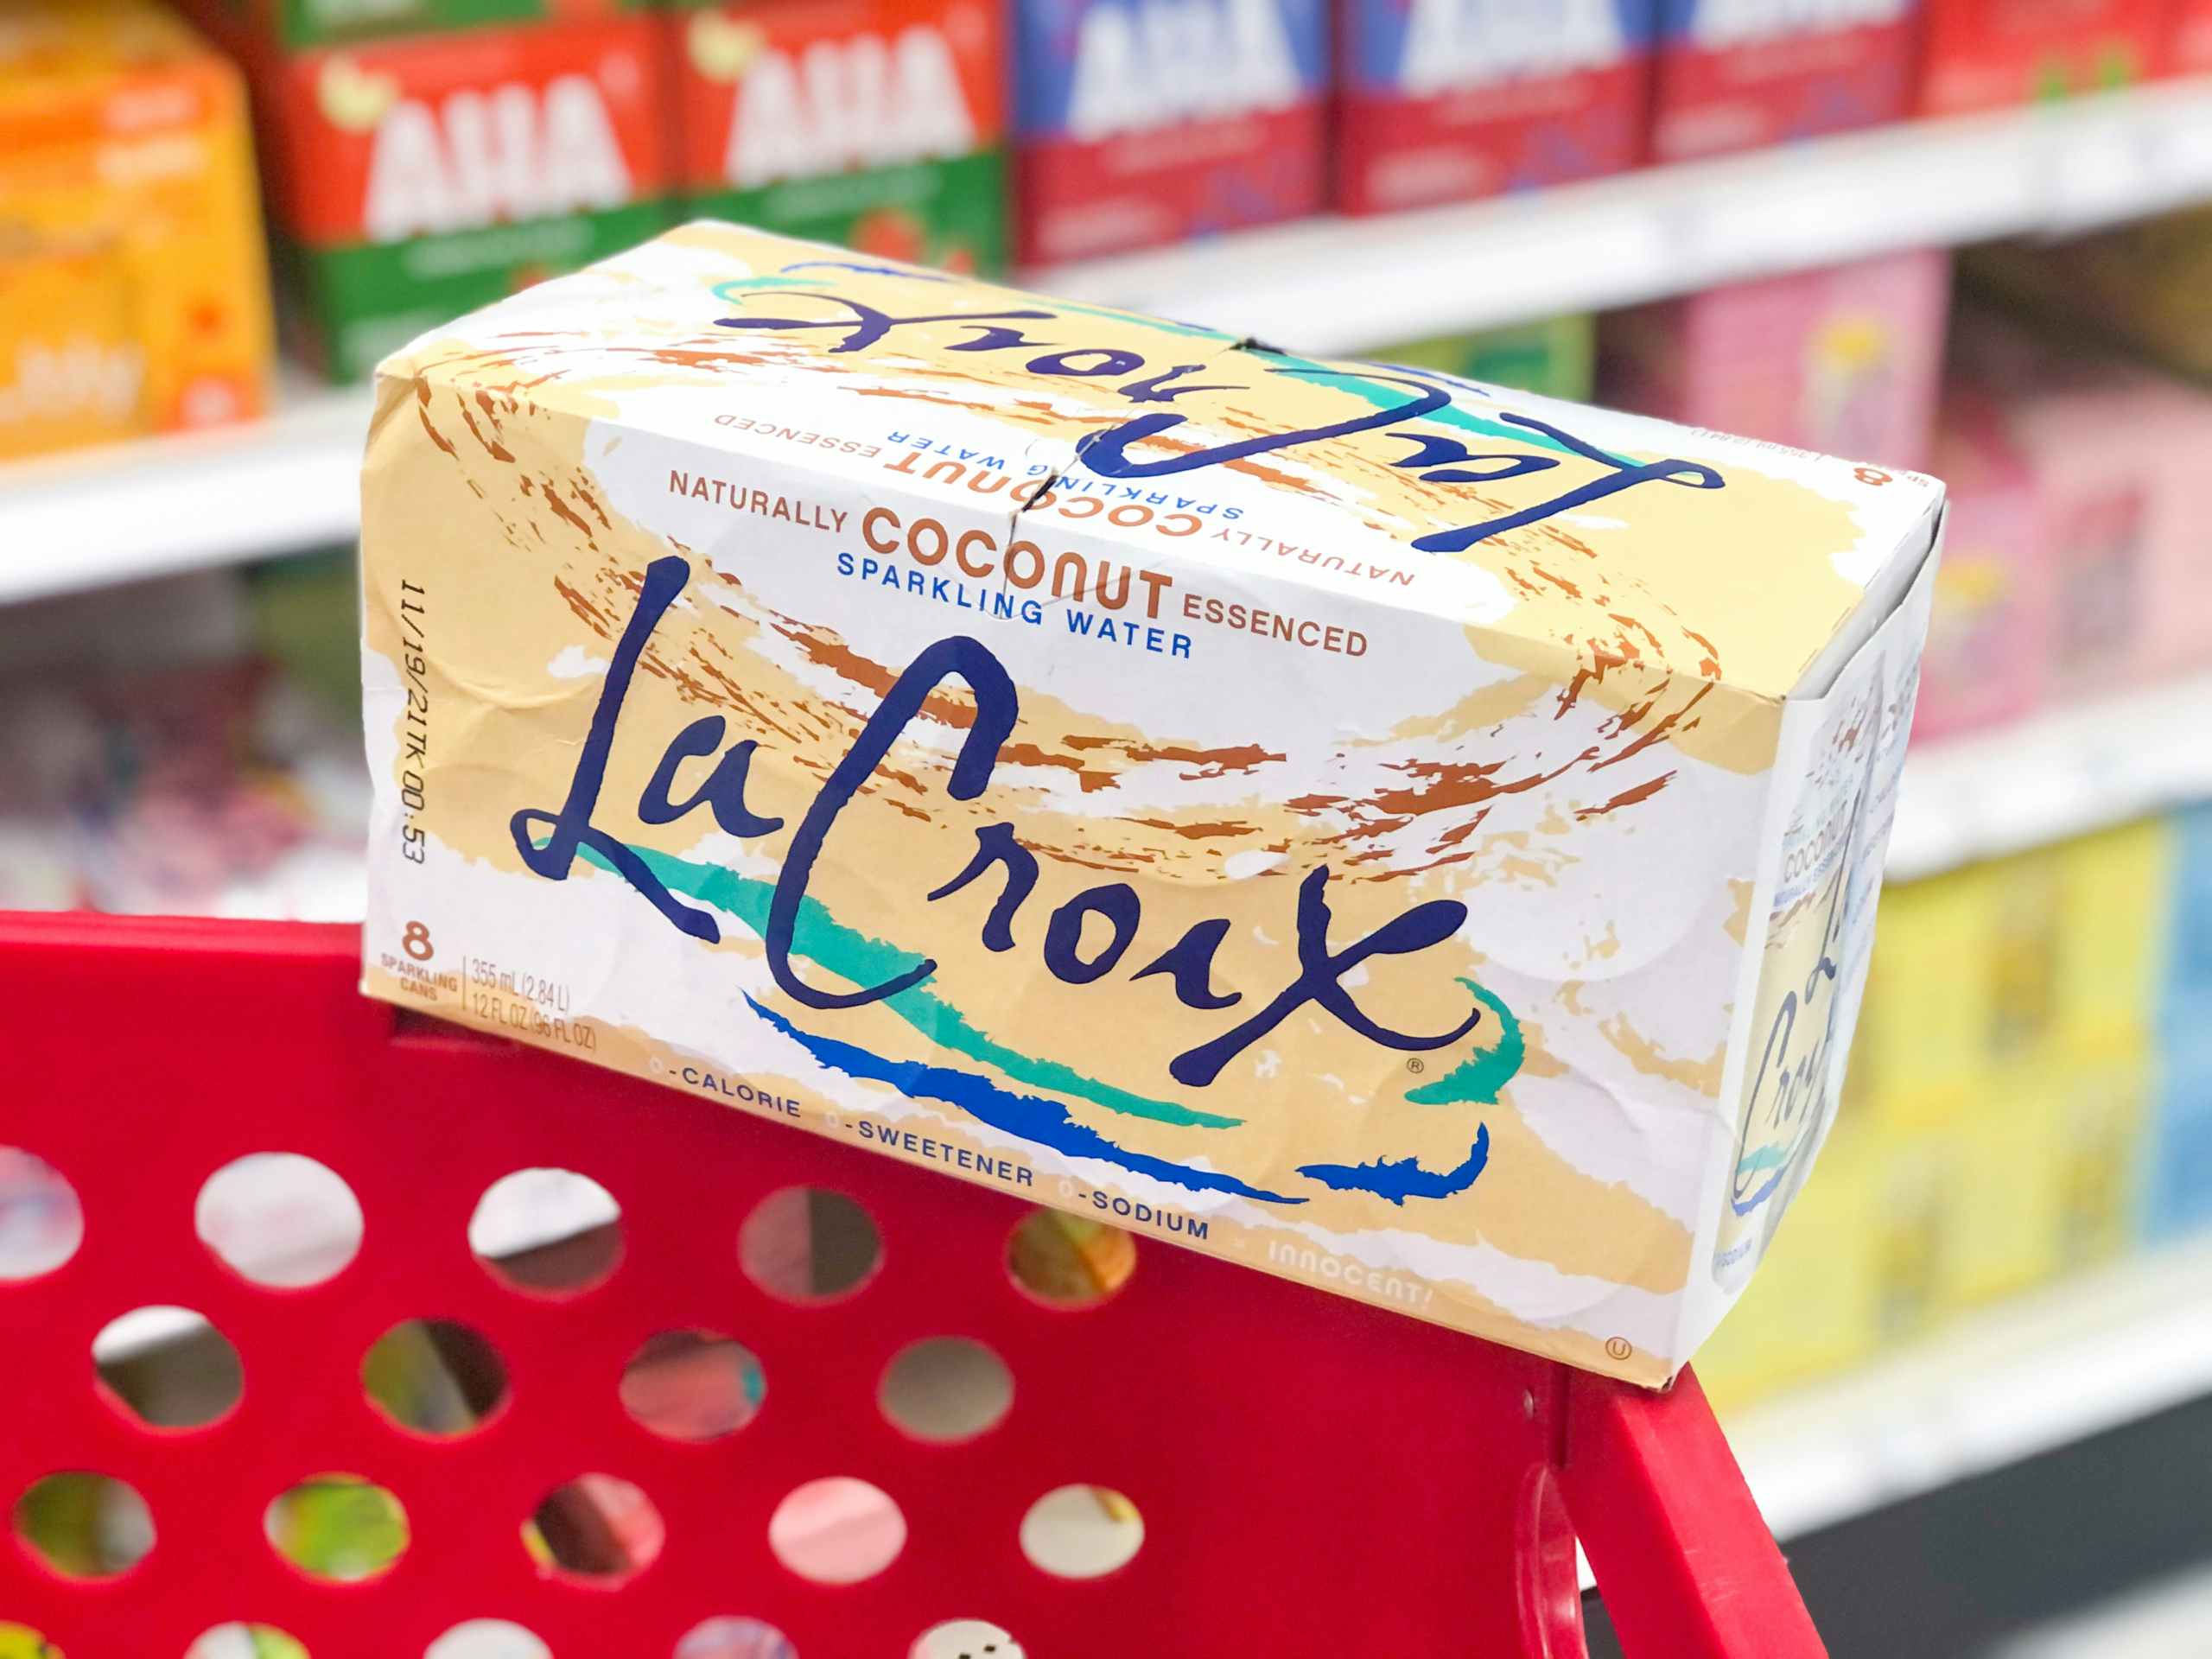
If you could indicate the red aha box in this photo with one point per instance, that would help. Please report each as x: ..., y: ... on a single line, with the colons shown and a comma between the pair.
x: 1984, y: 55
x: 1733, y: 74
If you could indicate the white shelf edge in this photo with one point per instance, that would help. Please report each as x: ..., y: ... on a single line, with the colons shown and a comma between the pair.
x: 2051, y: 775
x: 92, y: 518
x: 2046, y: 169
x: 2099, y: 1351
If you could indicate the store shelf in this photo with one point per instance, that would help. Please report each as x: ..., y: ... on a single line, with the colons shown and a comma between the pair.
x: 2103, y: 1349
x: 1323, y: 285
x: 101, y: 516
x: 1347, y: 285
x: 2062, y: 772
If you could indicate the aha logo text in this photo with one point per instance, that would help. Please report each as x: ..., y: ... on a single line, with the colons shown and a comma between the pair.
x: 839, y: 104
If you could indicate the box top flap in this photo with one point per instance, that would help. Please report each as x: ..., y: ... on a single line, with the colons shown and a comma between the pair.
x: 1612, y: 538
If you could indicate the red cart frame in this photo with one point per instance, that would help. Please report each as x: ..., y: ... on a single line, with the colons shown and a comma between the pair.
x: 1317, y: 1478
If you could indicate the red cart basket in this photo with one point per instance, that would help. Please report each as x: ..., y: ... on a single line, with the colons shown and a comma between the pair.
x: 1315, y: 1478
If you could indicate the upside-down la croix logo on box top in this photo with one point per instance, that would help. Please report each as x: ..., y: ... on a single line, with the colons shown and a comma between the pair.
x: 795, y: 925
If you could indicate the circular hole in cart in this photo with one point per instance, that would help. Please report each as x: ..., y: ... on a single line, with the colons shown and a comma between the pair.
x: 434, y: 1378
x: 337, y: 1528
x: 693, y: 1385
x: 809, y: 1244
x: 488, y: 1639
x: 547, y: 1232
x: 1068, y: 1261
x: 1082, y: 1532
x: 240, y: 1640
x: 945, y: 1389
x: 839, y: 1530
x: 596, y: 1528
x: 167, y: 1367
x: 41, y: 1223
x: 966, y: 1638
x: 85, y: 1525
x: 279, y: 1219
x: 729, y: 1637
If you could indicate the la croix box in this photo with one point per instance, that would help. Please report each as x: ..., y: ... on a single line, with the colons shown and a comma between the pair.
x: 1413, y: 838
x: 1443, y: 100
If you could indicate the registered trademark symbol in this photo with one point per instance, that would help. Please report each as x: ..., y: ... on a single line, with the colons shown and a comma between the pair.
x: 1416, y: 1066
x: 1619, y: 1347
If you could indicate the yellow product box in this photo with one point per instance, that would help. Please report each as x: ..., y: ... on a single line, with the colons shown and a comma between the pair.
x: 1817, y: 1307
x: 1929, y: 994
x: 2104, y: 1122
x: 2012, y: 1168
x: 1915, y: 1158
x: 133, y: 284
x: 1414, y: 838
x: 2117, y: 898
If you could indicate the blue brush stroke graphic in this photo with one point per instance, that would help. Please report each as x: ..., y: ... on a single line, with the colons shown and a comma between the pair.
x: 1044, y: 1123
x: 1400, y: 1178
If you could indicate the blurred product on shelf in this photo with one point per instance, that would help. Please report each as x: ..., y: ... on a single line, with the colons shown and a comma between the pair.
x: 2179, y: 1175
x: 877, y: 123
x: 414, y: 179
x: 2188, y: 40
x: 133, y: 293
x: 1989, y: 628
x: 1445, y: 100
x: 1985, y: 54
x: 1847, y: 361
x: 1553, y: 359
x: 2116, y: 455
x: 161, y: 762
x: 338, y: 22
x: 1142, y: 122
x: 1999, y: 1127
x: 2145, y: 287
x: 1735, y: 74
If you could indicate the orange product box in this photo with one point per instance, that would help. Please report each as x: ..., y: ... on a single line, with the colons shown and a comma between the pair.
x: 134, y: 292
x: 1983, y: 55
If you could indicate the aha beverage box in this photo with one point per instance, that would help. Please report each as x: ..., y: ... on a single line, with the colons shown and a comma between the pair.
x: 416, y: 179
x: 1734, y: 75
x: 1412, y: 838
x: 2189, y: 39
x: 1141, y: 122
x: 1983, y: 55
x: 1442, y: 100
x: 133, y: 294
x: 876, y: 124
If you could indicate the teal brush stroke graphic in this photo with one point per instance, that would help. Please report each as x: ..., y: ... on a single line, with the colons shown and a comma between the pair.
x: 1477, y: 1081
x: 821, y: 938
x: 1040, y: 1122
x: 1764, y: 1157
x: 1382, y: 395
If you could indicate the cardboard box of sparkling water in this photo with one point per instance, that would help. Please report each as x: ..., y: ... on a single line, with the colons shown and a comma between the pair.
x: 1409, y: 837
x: 134, y: 296
x: 1736, y: 73
x: 877, y: 124
x: 1441, y: 101
x: 1139, y: 122
x: 415, y: 179
x: 1981, y: 55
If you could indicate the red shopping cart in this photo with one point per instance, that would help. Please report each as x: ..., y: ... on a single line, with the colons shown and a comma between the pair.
x: 1312, y: 1477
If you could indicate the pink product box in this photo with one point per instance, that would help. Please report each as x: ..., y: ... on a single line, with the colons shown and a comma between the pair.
x: 1987, y: 657
x: 1847, y: 361
x: 2117, y: 456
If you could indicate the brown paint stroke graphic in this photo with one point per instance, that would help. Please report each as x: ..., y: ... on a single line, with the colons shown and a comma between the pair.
x: 491, y: 447
x: 1197, y: 832
x: 1642, y: 791
x: 553, y: 500
x: 837, y: 657
x: 1659, y: 732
